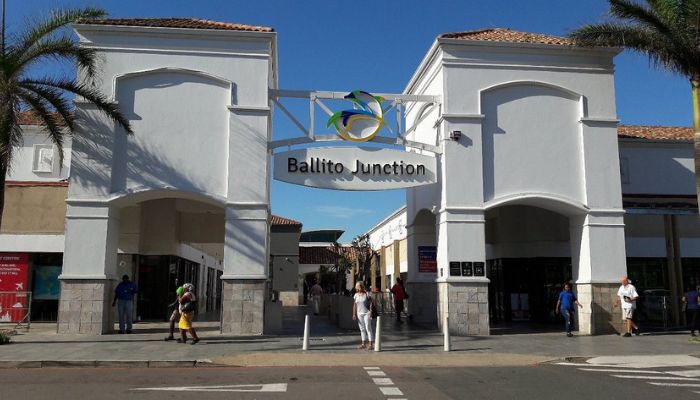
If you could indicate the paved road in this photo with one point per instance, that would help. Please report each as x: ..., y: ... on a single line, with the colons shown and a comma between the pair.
x: 571, y: 381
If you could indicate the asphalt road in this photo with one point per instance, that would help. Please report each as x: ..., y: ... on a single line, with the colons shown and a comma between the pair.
x: 350, y: 382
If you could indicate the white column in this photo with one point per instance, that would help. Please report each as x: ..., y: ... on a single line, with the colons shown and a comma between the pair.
x: 599, y: 260
x: 247, y: 231
x: 89, y: 268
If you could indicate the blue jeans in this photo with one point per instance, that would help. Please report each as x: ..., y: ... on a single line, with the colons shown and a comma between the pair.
x: 126, y: 314
x: 568, y: 319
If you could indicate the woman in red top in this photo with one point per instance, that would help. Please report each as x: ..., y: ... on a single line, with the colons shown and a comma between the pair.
x: 399, y: 295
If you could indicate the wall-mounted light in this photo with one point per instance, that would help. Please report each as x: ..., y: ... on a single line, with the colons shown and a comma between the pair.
x: 455, y: 135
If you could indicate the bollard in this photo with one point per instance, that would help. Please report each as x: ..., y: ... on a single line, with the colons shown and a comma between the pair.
x: 306, y: 333
x: 446, y: 331
x: 378, y: 334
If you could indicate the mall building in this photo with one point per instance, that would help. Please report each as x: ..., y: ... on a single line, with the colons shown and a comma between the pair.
x: 529, y: 179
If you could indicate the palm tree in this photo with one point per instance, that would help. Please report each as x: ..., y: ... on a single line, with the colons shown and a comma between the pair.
x: 45, y: 97
x: 667, y: 31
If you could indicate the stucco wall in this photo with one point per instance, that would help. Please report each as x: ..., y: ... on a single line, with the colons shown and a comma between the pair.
x: 34, y: 209
x: 657, y: 168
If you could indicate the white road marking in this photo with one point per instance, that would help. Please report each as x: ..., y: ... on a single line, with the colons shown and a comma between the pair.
x: 674, y: 384
x: 266, y: 387
x: 371, y: 368
x: 631, y: 371
x: 391, y: 391
x: 587, y: 365
x: 690, y: 374
x: 656, y: 378
x: 649, y: 361
x: 382, y: 381
x: 376, y: 373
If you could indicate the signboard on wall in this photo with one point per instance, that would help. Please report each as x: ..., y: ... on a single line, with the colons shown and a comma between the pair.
x: 46, y: 284
x: 14, y: 269
x: 427, y: 259
x: 354, y: 168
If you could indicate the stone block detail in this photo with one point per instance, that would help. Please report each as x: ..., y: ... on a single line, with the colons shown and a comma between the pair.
x: 243, y: 307
x: 599, y: 316
x: 85, y: 307
x: 466, y: 305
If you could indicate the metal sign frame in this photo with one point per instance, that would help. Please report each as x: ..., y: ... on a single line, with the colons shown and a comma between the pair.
x: 315, y: 98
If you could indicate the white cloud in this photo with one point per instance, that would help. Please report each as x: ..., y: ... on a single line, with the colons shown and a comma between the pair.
x: 343, y: 212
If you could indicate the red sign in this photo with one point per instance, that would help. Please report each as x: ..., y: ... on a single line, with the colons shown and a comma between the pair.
x: 14, y: 268
x: 427, y: 259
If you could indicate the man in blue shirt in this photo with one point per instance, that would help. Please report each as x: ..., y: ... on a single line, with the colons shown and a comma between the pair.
x: 124, y: 294
x: 565, y: 305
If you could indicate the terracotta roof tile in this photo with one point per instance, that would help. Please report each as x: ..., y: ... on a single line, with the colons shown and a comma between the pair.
x: 655, y: 132
x: 183, y: 23
x: 277, y: 220
x: 507, y: 35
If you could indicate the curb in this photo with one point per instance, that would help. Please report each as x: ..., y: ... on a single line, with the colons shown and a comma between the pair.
x: 203, y: 363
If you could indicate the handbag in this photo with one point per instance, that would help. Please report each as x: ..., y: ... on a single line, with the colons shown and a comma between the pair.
x: 189, y: 306
x: 370, y: 306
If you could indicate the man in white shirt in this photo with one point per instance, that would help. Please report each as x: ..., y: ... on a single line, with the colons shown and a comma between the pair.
x: 627, y: 296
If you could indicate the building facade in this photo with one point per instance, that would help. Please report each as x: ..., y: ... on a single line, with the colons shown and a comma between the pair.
x: 521, y: 128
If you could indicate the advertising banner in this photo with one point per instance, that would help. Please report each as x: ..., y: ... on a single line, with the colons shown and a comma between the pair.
x: 427, y: 259
x: 14, y: 268
x: 46, y: 284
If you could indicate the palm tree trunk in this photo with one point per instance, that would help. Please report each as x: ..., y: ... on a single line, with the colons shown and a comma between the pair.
x: 695, y: 83
x: 3, y: 176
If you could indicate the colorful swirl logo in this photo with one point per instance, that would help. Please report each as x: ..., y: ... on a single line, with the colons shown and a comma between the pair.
x: 363, y: 122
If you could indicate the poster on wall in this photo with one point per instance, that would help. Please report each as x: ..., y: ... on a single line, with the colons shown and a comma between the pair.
x: 14, y: 269
x: 46, y: 284
x: 427, y: 259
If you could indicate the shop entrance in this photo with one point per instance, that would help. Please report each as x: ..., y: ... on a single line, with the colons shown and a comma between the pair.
x: 523, y: 292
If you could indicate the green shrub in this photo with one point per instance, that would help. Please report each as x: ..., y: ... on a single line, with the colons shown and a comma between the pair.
x: 4, y: 338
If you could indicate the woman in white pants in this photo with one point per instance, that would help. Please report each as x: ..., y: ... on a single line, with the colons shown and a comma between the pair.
x: 361, y: 313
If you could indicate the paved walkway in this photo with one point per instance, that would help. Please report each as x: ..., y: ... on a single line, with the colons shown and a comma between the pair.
x: 403, y: 344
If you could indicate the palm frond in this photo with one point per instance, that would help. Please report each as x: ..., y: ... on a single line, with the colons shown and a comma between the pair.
x: 660, y: 50
x: 628, y: 10
x: 90, y: 94
x: 49, y: 121
x: 55, y: 21
x: 57, y: 48
x: 10, y: 132
x: 56, y: 99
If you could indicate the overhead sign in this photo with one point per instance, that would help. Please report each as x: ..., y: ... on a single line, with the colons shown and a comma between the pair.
x: 362, y: 123
x: 354, y: 168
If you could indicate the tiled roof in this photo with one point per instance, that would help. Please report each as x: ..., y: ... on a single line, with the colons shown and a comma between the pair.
x: 507, y: 35
x: 277, y: 220
x: 655, y: 132
x: 326, y: 255
x: 183, y: 23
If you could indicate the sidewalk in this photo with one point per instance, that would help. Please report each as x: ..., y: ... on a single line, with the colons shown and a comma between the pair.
x: 403, y: 344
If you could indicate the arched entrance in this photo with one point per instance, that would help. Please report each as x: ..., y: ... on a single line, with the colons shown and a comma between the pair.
x: 528, y: 258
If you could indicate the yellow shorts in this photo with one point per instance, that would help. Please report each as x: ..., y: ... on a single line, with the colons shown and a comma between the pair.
x: 186, y: 320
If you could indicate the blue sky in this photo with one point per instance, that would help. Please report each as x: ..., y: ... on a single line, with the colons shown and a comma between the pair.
x: 376, y: 46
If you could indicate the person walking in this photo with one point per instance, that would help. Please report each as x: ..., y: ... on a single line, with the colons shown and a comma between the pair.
x: 690, y: 301
x: 565, y: 306
x: 187, y: 307
x: 362, y: 313
x: 399, y: 295
x: 175, y: 315
x: 316, y: 293
x: 627, y: 297
x: 124, y: 296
